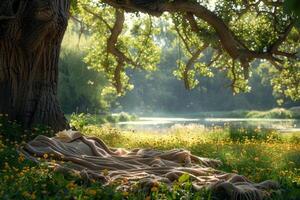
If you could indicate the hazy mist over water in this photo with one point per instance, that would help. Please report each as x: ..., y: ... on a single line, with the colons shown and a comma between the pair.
x: 163, y: 123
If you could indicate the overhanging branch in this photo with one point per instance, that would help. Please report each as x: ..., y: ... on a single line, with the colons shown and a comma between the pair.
x: 235, y: 48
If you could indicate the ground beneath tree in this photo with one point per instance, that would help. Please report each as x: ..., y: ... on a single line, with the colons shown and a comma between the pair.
x: 92, y: 159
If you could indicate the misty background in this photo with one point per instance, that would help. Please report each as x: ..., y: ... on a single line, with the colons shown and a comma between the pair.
x: 82, y: 89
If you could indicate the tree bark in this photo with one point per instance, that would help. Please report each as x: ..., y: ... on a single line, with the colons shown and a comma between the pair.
x: 31, y: 33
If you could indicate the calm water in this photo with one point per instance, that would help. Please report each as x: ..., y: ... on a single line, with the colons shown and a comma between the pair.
x: 161, y: 123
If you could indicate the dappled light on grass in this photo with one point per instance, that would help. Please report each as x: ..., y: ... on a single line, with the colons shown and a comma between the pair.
x: 270, y: 156
x: 257, y: 154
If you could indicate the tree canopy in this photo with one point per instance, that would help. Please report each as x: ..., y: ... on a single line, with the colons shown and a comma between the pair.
x: 237, y: 33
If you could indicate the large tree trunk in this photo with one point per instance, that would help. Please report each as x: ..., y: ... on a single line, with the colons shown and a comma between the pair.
x: 31, y: 33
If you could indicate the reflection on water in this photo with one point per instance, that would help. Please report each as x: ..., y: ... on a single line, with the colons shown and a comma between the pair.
x: 160, y: 123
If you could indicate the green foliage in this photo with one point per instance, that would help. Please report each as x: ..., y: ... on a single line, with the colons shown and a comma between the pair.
x: 276, y: 113
x: 74, y: 7
x: 135, y: 43
x: 258, y: 29
x: 295, y: 111
x: 159, y: 92
x: 293, y: 7
x: 14, y: 132
x: 255, y: 25
x: 286, y: 83
x: 81, y: 88
x: 81, y: 120
x: 123, y: 117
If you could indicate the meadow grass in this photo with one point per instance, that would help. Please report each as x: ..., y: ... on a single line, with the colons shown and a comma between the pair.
x: 256, y: 153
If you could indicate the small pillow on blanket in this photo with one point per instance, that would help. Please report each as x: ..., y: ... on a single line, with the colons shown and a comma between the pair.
x: 68, y: 135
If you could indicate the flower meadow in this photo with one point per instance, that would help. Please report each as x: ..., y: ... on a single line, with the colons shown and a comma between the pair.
x: 255, y: 153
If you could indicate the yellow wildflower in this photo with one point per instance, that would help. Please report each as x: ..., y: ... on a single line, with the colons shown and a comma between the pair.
x: 26, y: 194
x: 71, y: 185
x: 92, y: 192
x: 154, y: 189
x: 125, y: 193
x: 21, y: 158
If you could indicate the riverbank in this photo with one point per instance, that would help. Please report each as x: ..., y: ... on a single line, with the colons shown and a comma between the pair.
x: 275, y: 113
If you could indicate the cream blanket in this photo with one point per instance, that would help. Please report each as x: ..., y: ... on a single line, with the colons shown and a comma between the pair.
x: 94, y: 160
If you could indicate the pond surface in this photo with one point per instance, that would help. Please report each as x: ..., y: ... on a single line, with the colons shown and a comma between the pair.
x: 162, y: 123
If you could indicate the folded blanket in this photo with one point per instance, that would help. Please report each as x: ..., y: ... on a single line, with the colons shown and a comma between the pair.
x: 94, y: 160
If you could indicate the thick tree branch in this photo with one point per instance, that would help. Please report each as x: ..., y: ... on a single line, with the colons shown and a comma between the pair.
x: 282, y: 38
x: 183, y: 40
x: 228, y: 41
x: 88, y: 10
x: 112, y: 41
x: 195, y: 28
x: 190, y: 64
x: 192, y: 11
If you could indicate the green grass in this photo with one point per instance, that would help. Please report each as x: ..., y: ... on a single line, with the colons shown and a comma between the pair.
x: 256, y: 153
x: 259, y: 154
